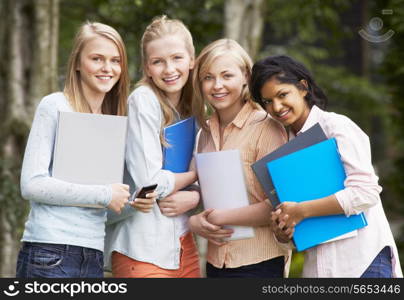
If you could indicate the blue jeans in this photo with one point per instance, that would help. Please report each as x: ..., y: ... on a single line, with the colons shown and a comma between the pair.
x: 272, y: 268
x: 381, y: 266
x: 39, y: 260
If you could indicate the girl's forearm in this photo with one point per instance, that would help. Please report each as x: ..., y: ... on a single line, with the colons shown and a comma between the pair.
x: 184, y: 179
x: 321, y: 207
x: 257, y: 214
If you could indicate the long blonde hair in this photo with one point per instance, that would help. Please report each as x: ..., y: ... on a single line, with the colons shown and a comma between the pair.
x: 221, y: 47
x: 160, y: 27
x: 115, y: 100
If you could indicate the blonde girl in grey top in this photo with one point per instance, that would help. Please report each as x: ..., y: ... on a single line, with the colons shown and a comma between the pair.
x: 62, y: 239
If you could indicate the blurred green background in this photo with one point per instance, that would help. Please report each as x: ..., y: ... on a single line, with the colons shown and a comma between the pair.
x: 362, y: 74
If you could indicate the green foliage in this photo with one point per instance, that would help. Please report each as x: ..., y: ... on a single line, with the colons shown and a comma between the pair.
x: 393, y: 71
x: 352, y: 95
x: 313, y: 32
x: 13, y: 207
x: 296, y: 266
x: 10, y: 198
x: 298, y: 25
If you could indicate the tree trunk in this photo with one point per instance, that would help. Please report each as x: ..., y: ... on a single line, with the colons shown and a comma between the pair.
x: 244, y: 23
x: 28, y: 37
x: 44, y: 60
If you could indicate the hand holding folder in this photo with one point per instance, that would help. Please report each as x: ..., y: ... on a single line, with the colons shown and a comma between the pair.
x: 222, y: 183
x: 181, y: 139
x: 89, y: 148
x: 312, y: 173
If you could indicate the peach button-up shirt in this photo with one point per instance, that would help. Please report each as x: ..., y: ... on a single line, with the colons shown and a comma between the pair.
x: 255, y: 134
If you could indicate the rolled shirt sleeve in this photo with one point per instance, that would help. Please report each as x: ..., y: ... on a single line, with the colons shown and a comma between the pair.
x: 361, y: 184
x: 144, y: 155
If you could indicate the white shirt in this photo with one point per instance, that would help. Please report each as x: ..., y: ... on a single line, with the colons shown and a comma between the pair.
x: 350, y: 257
x: 148, y: 237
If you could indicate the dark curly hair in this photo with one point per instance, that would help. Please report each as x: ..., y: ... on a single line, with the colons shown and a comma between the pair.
x: 286, y: 70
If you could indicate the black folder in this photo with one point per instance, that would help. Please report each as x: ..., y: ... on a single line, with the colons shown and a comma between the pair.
x: 311, y: 136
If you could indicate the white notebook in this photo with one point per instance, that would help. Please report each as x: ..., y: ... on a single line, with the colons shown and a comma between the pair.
x: 222, y: 182
x: 89, y: 148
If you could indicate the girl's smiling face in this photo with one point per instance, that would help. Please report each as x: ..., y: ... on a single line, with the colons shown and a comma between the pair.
x: 168, y: 64
x: 222, y: 85
x: 285, y: 103
x: 99, y: 66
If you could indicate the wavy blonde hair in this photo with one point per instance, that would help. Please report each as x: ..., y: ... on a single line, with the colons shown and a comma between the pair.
x: 218, y: 48
x: 160, y: 27
x: 115, y: 100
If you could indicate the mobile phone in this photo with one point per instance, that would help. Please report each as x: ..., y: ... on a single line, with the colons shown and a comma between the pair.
x: 144, y: 191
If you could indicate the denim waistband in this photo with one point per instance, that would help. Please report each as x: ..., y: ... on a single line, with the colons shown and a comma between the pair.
x: 61, y: 248
x: 386, y: 251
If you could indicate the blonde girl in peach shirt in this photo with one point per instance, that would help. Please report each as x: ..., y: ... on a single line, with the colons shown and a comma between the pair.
x: 220, y: 78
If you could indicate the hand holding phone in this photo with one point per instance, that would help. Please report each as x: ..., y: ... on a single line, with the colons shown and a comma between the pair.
x: 142, y: 203
x: 144, y: 191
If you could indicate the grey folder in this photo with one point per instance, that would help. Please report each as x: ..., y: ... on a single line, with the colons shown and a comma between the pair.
x: 311, y: 136
x: 89, y: 148
x: 222, y: 182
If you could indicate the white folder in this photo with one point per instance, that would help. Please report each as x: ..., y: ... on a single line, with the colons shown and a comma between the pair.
x: 222, y: 182
x: 89, y: 148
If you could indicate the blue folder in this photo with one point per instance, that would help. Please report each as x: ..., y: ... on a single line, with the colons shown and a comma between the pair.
x: 181, y: 139
x: 311, y: 136
x: 311, y: 173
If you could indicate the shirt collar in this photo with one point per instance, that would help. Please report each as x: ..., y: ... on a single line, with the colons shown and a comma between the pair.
x: 313, y: 117
x: 240, y: 119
